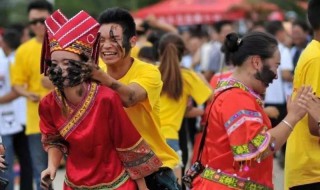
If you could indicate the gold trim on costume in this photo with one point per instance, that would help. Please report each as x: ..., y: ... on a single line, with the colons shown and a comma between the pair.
x: 117, y: 182
x: 132, y: 147
x: 75, y: 119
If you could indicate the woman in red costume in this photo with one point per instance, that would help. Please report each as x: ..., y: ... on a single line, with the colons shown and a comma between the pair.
x: 240, y: 142
x: 86, y: 121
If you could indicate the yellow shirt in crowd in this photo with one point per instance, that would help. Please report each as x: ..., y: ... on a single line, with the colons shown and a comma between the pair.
x: 302, y: 164
x: 172, y: 111
x: 26, y: 72
x: 145, y: 115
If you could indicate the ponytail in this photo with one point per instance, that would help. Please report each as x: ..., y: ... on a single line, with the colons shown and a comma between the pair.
x: 170, y: 72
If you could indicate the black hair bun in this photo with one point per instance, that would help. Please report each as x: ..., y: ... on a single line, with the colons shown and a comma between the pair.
x: 231, y: 43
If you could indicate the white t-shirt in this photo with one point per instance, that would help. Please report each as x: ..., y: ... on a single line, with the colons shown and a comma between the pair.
x: 10, y: 119
x: 277, y: 91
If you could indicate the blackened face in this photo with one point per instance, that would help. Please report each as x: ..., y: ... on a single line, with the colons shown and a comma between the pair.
x: 114, y: 46
x: 265, y: 75
x: 67, y: 70
x: 268, y: 71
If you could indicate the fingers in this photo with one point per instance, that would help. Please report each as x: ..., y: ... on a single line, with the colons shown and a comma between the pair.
x: 2, y: 149
x: 45, y: 180
x: 304, y: 91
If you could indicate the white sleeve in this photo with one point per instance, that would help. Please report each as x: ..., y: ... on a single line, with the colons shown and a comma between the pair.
x: 286, y: 62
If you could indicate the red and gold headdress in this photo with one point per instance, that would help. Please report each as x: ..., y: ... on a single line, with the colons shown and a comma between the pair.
x: 78, y: 35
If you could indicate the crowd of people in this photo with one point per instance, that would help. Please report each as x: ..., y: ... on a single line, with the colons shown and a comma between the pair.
x: 123, y: 101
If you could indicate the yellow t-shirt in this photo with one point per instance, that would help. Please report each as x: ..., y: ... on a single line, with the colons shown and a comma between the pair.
x: 145, y: 115
x: 172, y: 111
x: 26, y: 71
x: 135, y: 51
x: 302, y: 164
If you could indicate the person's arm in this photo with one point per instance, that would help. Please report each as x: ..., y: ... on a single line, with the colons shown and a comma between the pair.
x: 130, y: 94
x: 295, y: 113
x: 46, y: 83
x: 21, y: 90
x: 141, y: 184
x: 272, y: 112
x: 156, y: 24
x: 54, y: 158
x: 314, y: 125
x: 193, y: 112
x: 287, y: 75
x: 2, y: 152
x: 10, y: 96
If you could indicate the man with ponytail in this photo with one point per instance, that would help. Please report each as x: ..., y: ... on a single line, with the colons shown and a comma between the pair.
x: 139, y: 86
x: 240, y: 141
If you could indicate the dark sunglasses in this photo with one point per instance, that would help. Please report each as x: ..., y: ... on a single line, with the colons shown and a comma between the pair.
x: 38, y: 20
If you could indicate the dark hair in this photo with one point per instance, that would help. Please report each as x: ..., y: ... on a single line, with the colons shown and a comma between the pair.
x: 124, y: 19
x: 171, y: 49
x: 40, y: 5
x: 273, y: 27
x: 12, y: 38
x: 314, y: 14
x: 253, y: 43
x: 302, y: 24
x: 147, y: 52
x: 220, y: 24
x: 17, y: 26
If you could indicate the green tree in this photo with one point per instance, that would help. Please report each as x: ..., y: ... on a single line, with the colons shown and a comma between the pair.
x: 291, y: 5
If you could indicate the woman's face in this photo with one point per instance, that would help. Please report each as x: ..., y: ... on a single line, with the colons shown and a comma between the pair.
x: 66, y: 69
x: 267, y: 72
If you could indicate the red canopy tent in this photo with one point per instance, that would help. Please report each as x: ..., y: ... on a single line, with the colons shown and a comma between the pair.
x: 189, y: 12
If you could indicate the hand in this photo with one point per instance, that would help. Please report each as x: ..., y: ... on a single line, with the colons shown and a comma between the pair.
x: 47, y: 176
x: 272, y: 112
x: 95, y: 70
x: 312, y: 104
x: 3, y: 164
x: 33, y: 97
x: 296, y: 110
x: 152, y: 20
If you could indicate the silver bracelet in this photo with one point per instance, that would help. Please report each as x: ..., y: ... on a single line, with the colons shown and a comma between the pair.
x: 288, y: 124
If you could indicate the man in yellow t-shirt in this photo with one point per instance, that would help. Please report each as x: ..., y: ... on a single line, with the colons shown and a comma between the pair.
x: 302, y: 164
x: 139, y: 85
x: 27, y: 82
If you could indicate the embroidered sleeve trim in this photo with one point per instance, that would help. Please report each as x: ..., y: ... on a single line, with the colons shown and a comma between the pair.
x: 253, y: 149
x: 231, y: 83
x: 139, y: 160
x: 116, y: 183
x: 241, y: 117
x: 56, y: 141
x: 231, y: 181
